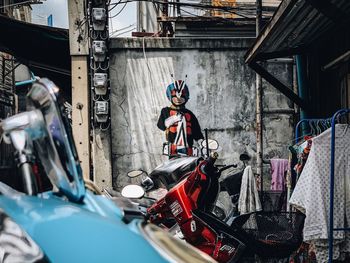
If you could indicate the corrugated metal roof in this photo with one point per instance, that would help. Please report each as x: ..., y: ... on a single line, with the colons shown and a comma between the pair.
x: 296, y: 25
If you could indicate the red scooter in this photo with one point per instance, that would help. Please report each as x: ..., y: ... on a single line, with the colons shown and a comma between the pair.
x: 267, y: 235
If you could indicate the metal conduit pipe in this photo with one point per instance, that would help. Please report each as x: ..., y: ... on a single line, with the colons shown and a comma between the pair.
x: 302, y: 87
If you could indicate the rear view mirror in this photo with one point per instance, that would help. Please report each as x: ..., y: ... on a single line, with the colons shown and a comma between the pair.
x: 23, y: 75
x: 133, y: 191
x: 212, y: 144
x: 134, y: 173
x: 244, y: 157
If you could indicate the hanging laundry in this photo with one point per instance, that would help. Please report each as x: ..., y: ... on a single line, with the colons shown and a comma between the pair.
x: 279, y: 168
x: 302, y: 157
x: 305, y: 254
x: 292, y: 175
x: 249, y: 198
x: 311, y: 194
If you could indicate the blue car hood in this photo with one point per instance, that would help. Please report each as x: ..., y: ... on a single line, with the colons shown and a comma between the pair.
x: 68, y: 233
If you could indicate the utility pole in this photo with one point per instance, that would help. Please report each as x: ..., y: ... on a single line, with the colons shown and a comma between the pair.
x: 97, y: 19
x: 79, y: 50
x: 259, y: 108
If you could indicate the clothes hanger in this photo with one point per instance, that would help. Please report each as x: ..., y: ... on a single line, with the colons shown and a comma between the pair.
x: 319, y: 127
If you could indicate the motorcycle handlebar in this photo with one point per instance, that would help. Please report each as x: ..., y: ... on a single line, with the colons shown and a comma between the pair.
x: 227, y: 167
x: 209, y: 166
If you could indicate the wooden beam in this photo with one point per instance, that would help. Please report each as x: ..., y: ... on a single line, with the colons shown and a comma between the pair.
x: 267, y: 32
x: 78, y: 28
x: 102, y: 158
x: 79, y: 50
x: 80, y: 112
x: 279, y: 54
x: 279, y: 85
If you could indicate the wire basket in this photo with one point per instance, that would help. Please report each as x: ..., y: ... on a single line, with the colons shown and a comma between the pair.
x: 273, y: 234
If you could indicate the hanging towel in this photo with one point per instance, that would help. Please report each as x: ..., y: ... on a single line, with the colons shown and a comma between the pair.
x: 248, y: 198
x: 279, y: 168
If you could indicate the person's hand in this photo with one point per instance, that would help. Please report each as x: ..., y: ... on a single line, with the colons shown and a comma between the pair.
x: 172, y: 120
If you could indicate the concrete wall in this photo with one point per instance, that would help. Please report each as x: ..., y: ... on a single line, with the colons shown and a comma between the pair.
x: 222, y: 95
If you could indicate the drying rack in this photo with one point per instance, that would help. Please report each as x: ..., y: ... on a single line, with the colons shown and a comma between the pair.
x: 332, y: 121
x: 335, y: 119
x: 325, y: 122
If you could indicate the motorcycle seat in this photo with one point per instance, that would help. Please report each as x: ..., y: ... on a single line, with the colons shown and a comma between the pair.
x: 169, y: 173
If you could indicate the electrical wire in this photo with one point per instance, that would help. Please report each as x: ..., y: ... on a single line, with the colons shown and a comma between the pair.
x: 200, y: 6
x: 119, y: 11
x: 124, y: 28
x: 246, y: 11
x: 115, y: 5
x: 207, y: 17
x: 125, y: 32
x: 105, y: 129
x: 196, y: 5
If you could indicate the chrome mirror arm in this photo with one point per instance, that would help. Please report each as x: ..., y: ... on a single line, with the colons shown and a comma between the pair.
x: 19, y: 130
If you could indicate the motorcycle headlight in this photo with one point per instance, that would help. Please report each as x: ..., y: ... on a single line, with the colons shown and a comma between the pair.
x: 171, y: 248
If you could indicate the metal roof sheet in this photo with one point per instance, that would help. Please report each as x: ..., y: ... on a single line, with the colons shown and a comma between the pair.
x: 296, y: 25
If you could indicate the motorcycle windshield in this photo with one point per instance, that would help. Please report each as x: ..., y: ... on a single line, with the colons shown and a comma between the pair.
x: 176, y: 163
x: 56, y: 150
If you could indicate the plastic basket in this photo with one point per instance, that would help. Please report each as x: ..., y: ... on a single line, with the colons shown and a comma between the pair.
x: 273, y: 234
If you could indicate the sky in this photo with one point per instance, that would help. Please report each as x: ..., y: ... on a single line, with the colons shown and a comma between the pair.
x: 59, y: 11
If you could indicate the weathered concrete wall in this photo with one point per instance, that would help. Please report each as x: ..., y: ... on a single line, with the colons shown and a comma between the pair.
x: 222, y: 95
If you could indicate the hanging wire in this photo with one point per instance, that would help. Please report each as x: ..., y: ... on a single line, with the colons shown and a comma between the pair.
x: 229, y: 9
x: 94, y: 34
x: 124, y: 28
x: 102, y: 68
x: 121, y: 10
x: 115, y: 5
x: 103, y: 35
x: 126, y: 32
x: 105, y: 129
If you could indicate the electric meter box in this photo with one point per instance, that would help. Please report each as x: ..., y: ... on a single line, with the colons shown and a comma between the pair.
x: 101, y: 111
x: 99, y: 49
x: 99, y: 17
x: 100, y: 83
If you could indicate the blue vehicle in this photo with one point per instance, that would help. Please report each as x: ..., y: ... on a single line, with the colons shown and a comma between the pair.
x: 69, y: 223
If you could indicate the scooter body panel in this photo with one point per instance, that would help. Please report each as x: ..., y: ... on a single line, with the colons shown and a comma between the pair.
x: 68, y: 232
x: 186, y: 197
x: 179, y: 204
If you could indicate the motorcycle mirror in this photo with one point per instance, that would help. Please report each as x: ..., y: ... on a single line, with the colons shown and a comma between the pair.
x: 147, y: 183
x: 213, y: 144
x: 134, y: 173
x: 244, y: 157
x: 133, y: 191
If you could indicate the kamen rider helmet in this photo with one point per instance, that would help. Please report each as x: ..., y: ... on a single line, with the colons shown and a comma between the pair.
x: 178, y: 93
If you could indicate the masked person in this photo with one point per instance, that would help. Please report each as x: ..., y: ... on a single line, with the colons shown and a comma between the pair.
x: 180, y: 124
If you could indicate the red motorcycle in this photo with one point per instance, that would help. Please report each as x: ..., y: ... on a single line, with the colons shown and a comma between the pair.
x: 190, y: 203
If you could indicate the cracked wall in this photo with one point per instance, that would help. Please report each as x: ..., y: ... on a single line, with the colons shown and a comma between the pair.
x: 222, y: 95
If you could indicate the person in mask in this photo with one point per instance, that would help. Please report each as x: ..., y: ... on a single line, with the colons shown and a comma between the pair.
x: 180, y: 124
